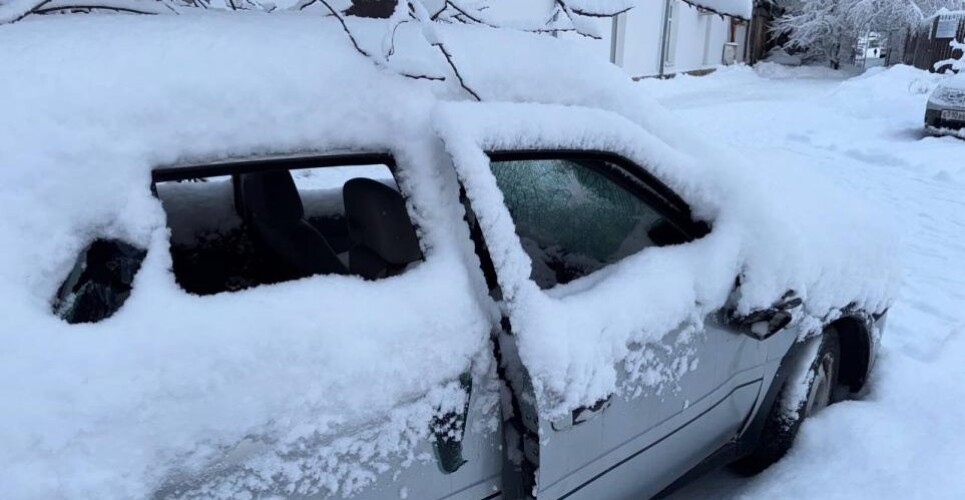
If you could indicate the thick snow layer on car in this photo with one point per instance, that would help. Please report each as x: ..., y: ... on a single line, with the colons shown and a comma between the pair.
x: 814, y: 239
x: 950, y: 92
x: 91, y: 104
x: 112, y: 410
x: 956, y: 81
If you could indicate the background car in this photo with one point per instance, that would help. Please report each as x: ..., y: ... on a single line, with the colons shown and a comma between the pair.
x: 945, y: 112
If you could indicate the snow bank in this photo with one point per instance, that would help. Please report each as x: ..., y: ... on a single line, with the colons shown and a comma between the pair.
x: 777, y: 70
x: 896, y: 88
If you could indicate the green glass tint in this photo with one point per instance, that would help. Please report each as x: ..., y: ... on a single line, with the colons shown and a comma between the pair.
x: 574, y: 216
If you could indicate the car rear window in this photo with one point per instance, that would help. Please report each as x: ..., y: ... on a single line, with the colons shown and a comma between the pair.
x: 254, y: 223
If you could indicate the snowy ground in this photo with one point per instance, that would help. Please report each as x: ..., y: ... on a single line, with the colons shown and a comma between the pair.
x: 906, y: 438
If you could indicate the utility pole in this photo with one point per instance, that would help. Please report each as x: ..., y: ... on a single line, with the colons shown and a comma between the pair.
x: 663, y: 36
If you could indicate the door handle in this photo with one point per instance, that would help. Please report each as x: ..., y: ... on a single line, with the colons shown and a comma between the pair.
x: 765, y: 323
x: 583, y: 414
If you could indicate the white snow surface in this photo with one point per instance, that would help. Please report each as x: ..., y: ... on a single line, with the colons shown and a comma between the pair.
x: 903, y: 438
x: 93, y: 103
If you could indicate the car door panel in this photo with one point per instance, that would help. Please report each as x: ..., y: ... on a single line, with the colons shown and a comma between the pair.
x: 678, y: 399
x: 649, y: 440
x: 648, y: 462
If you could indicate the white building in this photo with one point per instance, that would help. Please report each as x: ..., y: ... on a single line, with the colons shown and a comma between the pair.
x: 657, y: 37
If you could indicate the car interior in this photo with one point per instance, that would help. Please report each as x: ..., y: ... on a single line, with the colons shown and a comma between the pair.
x: 288, y: 225
x: 261, y: 226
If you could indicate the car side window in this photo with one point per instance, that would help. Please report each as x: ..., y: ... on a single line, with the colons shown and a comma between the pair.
x: 575, y: 216
x: 260, y: 223
x: 99, y: 283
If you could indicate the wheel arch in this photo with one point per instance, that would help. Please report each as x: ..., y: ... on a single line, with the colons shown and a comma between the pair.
x: 854, y: 336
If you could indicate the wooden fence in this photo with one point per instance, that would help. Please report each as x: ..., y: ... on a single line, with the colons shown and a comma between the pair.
x: 930, y: 43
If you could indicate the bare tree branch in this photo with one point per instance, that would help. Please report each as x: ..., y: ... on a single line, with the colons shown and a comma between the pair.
x: 705, y: 8
x: 14, y: 11
x: 586, y: 13
x: 395, y: 28
x: 463, y: 12
x: 455, y: 71
x: 348, y: 32
x: 68, y: 8
x: 360, y: 50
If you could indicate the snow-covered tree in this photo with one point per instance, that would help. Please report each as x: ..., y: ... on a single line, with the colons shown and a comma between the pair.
x: 825, y: 29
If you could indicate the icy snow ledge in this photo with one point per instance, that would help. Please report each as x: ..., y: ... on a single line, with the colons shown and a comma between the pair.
x: 777, y: 228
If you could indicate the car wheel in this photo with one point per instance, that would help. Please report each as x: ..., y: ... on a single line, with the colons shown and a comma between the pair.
x: 794, y: 405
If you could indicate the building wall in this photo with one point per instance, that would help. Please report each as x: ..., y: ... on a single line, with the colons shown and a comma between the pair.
x: 696, y: 40
x: 641, y: 40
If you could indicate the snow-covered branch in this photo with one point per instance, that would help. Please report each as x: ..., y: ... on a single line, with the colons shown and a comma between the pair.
x: 390, y: 16
x: 565, y: 16
x: 12, y: 11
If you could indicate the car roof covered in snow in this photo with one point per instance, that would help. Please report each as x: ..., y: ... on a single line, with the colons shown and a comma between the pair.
x: 210, y: 75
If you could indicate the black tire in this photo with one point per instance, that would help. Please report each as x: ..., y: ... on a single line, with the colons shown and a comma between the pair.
x: 781, y: 426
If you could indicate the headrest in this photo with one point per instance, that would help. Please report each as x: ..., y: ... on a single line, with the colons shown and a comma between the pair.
x: 378, y: 220
x: 270, y: 196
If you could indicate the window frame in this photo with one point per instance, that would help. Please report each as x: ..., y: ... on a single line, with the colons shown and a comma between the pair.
x: 627, y: 175
x: 289, y: 163
x: 268, y: 164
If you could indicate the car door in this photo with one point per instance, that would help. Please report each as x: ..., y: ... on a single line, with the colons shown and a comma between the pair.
x: 674, y: 400
x: 228, y: 240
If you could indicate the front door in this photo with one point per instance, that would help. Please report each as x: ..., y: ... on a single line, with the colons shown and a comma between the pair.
x: 620, y: 383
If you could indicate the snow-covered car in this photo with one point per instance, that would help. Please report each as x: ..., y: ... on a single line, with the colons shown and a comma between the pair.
x: 237, y: 264
x: 945, y: 111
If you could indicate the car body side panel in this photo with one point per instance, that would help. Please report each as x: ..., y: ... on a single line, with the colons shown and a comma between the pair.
x: 640, y: 444
x: 477, y: 479
x: 646, y: 464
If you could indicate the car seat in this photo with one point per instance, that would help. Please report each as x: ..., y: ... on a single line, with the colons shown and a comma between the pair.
x: 383, y: 239
x: 270, y: 204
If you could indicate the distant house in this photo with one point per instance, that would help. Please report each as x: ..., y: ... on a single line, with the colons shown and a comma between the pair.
x: 667, y: 37
x: 654, y: 38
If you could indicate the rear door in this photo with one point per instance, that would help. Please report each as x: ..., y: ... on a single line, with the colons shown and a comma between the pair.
x: 307, y: 227
x: 657, y: 396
